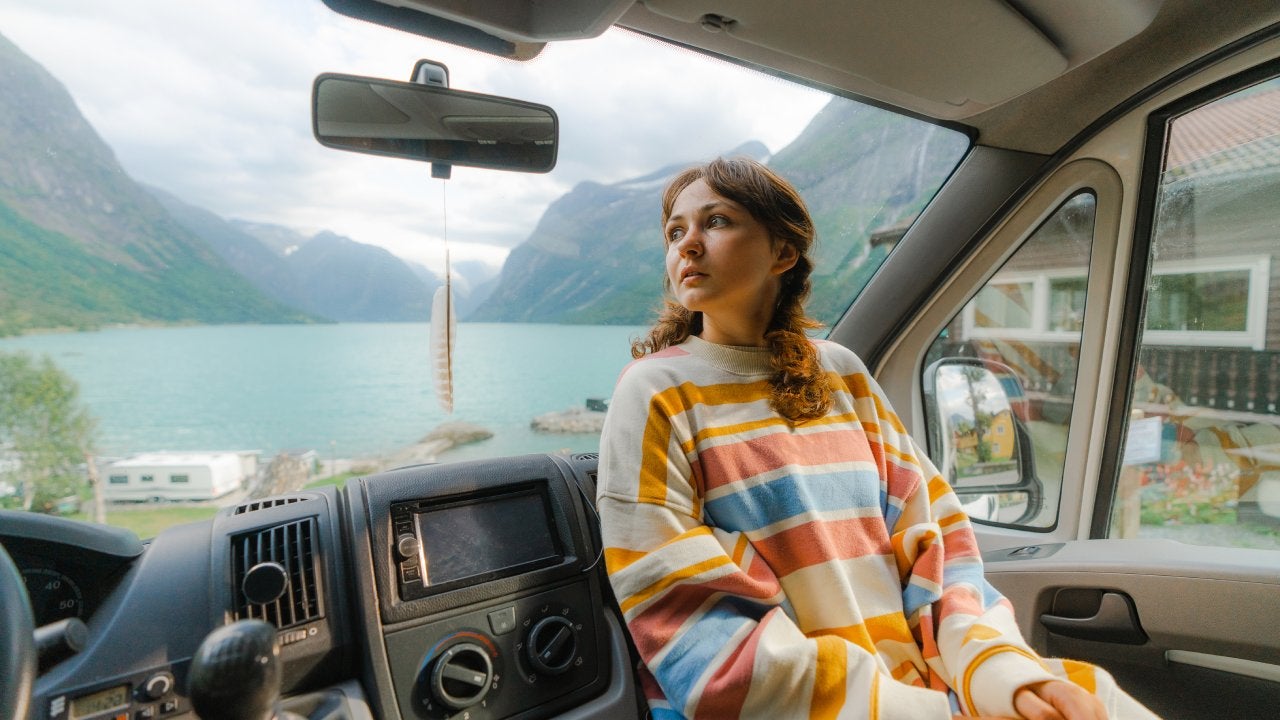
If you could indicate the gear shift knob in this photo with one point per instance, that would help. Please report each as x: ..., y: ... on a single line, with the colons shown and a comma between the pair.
x: 235, y: 674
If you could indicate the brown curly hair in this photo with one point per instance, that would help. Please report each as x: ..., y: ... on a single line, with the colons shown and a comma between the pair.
x: 800, y: 390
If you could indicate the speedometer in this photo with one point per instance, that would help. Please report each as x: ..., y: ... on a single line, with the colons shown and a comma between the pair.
x: 54, y: 596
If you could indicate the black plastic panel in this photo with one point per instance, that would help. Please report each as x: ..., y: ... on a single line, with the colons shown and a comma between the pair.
x: 430, y: 484
x: 516, y: 686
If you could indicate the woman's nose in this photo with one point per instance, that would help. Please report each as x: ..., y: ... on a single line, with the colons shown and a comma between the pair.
x: 690, y: 244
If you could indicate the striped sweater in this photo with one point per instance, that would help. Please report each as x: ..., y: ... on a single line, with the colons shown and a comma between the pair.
x: 821, y: 570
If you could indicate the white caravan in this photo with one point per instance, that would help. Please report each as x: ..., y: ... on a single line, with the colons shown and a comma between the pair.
x: 174, y: 476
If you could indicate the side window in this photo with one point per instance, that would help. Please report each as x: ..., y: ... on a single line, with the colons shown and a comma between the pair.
x: 1005, y: 367
x: 1202, y: 454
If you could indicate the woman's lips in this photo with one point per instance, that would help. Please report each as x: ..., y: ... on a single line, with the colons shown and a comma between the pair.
x: 691, y: 274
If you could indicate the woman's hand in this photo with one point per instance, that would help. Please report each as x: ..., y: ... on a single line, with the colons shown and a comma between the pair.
x: 1058, y: 700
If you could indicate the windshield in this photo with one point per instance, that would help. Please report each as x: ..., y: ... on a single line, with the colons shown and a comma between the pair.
x: 200, y: 304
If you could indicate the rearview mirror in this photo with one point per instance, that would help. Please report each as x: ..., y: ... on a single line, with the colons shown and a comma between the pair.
x: 978, y: 439
x: 433, y: 124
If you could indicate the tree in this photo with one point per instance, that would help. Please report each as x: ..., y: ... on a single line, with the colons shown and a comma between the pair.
x: 44, y: 430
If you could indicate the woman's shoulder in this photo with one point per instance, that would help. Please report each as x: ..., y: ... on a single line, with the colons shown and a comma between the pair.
x: 837, y: 357
x: 654, y: 368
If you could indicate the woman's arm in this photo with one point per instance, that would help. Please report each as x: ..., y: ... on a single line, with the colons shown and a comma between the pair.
x: 706, y: 613
x: 965, y: 628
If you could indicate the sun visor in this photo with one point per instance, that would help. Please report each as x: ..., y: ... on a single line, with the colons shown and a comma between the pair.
x: 517, y: 29
x: 942, y: 51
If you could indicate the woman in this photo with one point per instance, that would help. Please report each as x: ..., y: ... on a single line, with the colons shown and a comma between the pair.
x: 778, y: 545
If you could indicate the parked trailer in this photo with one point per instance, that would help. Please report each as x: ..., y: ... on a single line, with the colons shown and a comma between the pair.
x: 173, y: 476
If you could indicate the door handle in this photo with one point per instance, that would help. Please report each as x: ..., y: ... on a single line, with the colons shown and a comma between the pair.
x: 1115, y: 621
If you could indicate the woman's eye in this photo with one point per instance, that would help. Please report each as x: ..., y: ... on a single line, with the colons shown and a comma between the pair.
x: 673, y: 236
x: 717, y: 221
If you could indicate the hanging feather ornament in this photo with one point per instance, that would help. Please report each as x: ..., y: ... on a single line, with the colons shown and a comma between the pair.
x: 444, y: 327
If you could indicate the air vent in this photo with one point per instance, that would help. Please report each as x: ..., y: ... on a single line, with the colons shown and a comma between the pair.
x: 587, y: 456
x: 269, y: 503
x: 292, y: 547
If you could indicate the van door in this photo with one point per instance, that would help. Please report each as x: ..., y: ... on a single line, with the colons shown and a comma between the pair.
x: 1131, y: 302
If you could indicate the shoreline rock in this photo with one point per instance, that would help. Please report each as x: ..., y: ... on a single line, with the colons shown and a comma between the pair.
x: 573, y: 420
x: 444, y: 437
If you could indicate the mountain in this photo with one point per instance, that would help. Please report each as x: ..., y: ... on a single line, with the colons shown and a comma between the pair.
x: 82, y: 244
x: 246, y: 253
x: 279, y: 239
x: 473, y: 280
x: 595, y: 256
x: 348, y: 281
x: 328, y: 276
x: 848, y: 164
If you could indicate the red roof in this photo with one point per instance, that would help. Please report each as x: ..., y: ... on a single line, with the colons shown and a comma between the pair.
x: 1239, y: 134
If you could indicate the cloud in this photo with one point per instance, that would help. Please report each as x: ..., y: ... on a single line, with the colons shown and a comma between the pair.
x: 211, y: 101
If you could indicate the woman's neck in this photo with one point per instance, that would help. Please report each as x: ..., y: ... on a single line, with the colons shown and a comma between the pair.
x: 743, y: 334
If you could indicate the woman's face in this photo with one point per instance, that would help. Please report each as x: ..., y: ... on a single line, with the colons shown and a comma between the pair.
x: 722, y: 262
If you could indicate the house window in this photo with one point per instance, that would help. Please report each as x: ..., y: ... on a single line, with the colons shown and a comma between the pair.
x: 1021, y: 305
x: 179, y: 478
x: 1217, y: 302
x: 1066, y: 304
x: 118, y: 480
x: 147, y: 478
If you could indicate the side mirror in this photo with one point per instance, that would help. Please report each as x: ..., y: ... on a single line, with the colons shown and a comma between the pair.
x: 977, y: 437
x: 433, y: 124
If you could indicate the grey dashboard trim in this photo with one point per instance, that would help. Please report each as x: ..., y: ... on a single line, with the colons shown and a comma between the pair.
x: 101, y: 539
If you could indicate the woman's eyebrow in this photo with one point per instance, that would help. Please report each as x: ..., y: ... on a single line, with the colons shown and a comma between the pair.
x: 703, y: 209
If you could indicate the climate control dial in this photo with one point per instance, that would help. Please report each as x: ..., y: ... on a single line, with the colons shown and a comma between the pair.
x: 553, y: 645
x: 461, y: 676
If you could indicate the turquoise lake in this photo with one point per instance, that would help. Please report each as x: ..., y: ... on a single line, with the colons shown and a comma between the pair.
x: 345, y: 390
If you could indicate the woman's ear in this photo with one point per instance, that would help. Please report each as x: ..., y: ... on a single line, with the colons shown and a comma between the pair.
x: 786, y: 257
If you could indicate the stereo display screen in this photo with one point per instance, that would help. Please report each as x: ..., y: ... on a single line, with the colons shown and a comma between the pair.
x: 485, y: 536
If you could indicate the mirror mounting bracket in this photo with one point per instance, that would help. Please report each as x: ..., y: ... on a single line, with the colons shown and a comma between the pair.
x: 430, y: 72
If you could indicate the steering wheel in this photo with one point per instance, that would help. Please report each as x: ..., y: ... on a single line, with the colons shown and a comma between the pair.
x: 17, y: 643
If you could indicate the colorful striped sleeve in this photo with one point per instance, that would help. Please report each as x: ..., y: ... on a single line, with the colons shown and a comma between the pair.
x: 708, y: 615
x: 964, y: 626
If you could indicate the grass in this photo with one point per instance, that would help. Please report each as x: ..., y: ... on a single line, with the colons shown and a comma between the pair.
x: 149, y: 519
x: 336, y: 480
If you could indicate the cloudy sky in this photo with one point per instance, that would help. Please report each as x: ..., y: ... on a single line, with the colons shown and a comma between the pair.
x: 211, y: 101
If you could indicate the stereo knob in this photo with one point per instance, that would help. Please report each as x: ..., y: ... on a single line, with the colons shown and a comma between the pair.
x: 553, y: 645
x: 407, y: 546
x: 460, y: 677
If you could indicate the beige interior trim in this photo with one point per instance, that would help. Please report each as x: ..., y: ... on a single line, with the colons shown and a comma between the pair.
x: 980, y: 51
x: 1250, y: 668
x: 899, y: 370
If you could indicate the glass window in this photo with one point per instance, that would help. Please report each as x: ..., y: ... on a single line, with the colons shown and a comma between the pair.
x: 179, y: 478
x: 1025, y: 324
x: 147, y: 478
x: 1004, y: 306
x: 308, y: 306
x: 1202, y: 452
x: 118, y: 480
x: 1066, y: 304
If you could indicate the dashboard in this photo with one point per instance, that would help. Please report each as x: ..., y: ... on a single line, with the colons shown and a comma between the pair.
x: 470, y: 590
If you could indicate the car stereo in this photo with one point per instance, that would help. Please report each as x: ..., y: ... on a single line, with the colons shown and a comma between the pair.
x: 444, y: 544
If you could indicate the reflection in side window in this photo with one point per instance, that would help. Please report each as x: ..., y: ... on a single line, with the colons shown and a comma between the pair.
x: 1202, y: 454
x: 1024, y: 328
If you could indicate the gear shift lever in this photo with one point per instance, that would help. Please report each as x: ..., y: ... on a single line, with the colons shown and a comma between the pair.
x: 235, y: 674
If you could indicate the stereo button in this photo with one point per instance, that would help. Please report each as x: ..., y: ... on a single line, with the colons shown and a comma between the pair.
x: 503, y: 621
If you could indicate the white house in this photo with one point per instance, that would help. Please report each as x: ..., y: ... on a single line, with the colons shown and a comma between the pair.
x: 176, y: 475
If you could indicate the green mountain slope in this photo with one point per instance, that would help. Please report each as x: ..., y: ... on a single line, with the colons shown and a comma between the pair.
x: 596, y: 255
x: 82, y: 244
